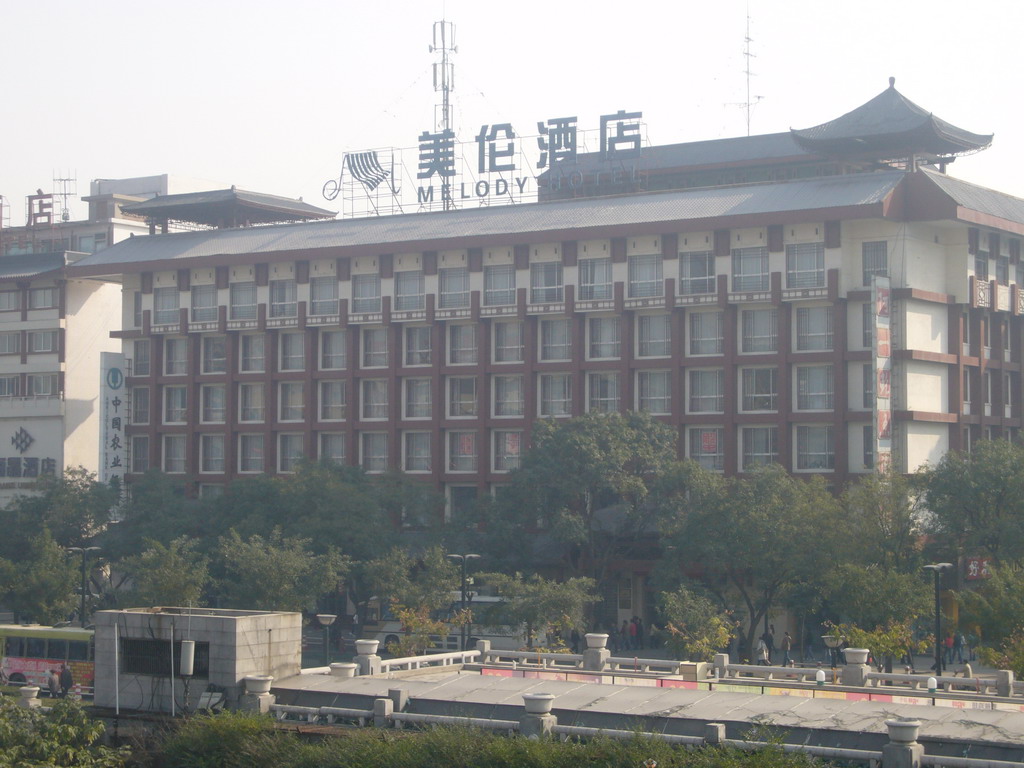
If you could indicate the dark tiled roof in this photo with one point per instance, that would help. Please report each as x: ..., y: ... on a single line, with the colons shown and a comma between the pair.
x: 27, y: 265
x: 211, y: 207
x: 473, y: 226
x: 979, y: 199
x: 889, y: 125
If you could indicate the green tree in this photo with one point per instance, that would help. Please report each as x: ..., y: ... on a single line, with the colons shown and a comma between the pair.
x: 541, y: 605
x: 422, y: 583
x: 42, y: 585
x: 977, y: 500
x: 275, y: 573
x: 870, y: 596
x: 883, y: 518
x: 64, y: 736
x: 174, y: 574
x: 996, y: 606
x: 159, y: 510
x: 696, y: 628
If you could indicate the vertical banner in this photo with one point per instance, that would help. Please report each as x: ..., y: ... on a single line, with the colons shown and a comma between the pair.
x: 113, y: 416
x: 882, y: 362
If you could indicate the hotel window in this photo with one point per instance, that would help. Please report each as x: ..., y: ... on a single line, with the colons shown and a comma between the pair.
x: 213, y: 401
x: 45, y: 298
x: 416, y: 453
x: 140, y: 405
x: 654, y: 391
x: 375, y: 347
x: 140, y: 453
x: 760, y: 389
x: 603, y: 392
x: 454, y: 287
x: 760, y: 447
x: 869, y: 385
x: 707, y: 447
x: 366, y: 293
x: 42, y: 341
x: 242, y: 301
x: 461, y: 344
x: 417, y: 398
x: 333, y: 350
x: 813, y: 329
x: 875, y: 260
x: 697, y: 273
x: 253, y: 355
x: 141, y: 358
x: 409, y: 290
x: 461, y: 397
x: 211, y: 453
x: 815, y: 448
x: 981, y: 266
x: 332, y: 400
x: 204, y: 303
x: 165, y: 305
x: 215, y: 354
x: 174, y: 453
x: 332, y: 447
x: 1003, y: 270
x: 9, y: 386
x: 595, y: 279
x: 374, y: 398
x: 373, y: 451
x: 10, y: 343
x: 805, y: 265
x: 499, y: 285
x: 555, y: 394
x: 9, y: 301
x: 706, y: 334
x: 508, y: 396
x: 462, y: 455
x: 760, y: 330
x: 645, y: 276
x: 814, y: 388
x: 508, y: 341
x: 289, y: 452
x: 546, y: 283
x: 323, y: 295
x: 417, y: 344
x: 750, y: 269
x: 175, y: 357
x: 555, y: 338
x: 604, y: 338
x: 293, y: 351
x: 507, y: 450
x: 868, y: 438
x: 42, y: 385
x: 292, y: 401
x: 653, y: 335
x: 283, y: 295
x: 250, y: 453
x: 175, y: 401
x: 707, y: 391
x: 251, y: 403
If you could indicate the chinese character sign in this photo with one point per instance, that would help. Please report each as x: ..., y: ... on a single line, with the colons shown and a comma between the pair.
x: 977, y: 568
x: 882, y: 363
x: 113, y: 406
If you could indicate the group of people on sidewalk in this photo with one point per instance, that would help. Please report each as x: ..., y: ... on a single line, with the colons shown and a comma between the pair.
x: 59, y: 683
x: 765, y: 649
x: 629, y: 637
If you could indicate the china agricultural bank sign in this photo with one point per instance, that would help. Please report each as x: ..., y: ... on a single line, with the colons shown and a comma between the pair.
x: 499, y: 166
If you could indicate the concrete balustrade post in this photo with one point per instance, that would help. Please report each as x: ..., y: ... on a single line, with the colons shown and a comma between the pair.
x: 903, y: 749
x: 720, y: 663
x: 382, y: 711
x: 537, y: 720
x: 367, y: 658
x: 714, y: 733
x: 1004, y: 682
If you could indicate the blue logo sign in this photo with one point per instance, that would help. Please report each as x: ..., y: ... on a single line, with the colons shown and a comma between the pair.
x: 115, y: 379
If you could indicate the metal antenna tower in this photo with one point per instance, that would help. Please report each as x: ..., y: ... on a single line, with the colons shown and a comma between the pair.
x: 747, y: 40
x: 65, y: 188
x: 444, y: 81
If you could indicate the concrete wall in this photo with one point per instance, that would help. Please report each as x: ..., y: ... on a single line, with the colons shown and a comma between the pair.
x: 241, y: 643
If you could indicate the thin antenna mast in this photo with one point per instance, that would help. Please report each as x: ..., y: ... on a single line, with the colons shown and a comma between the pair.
x: 747, y: 40
x: 444, y: 81
x: 65, y: 188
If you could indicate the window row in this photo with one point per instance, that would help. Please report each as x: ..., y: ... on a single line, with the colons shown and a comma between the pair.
x: 35, y: 385
x: 38, y: 298
x: 15, y: 342
x: 813, y: 449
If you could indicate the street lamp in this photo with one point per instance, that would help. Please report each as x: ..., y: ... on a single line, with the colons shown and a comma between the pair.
x: 326, y: 619
x: 937, y: 569
x: 85, y: 554
x: 462, y: 559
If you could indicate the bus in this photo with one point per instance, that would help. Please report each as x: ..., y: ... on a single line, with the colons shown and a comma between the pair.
x: 29, y: 651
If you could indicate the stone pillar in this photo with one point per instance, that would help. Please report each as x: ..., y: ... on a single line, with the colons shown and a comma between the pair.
x: 399, y: 698
x: 855, y: 675
x: 720, y: 663
x: 256, y: 702
x: 382, y: 711
x: 903, y: 750
x: 714, y: 733
x: 537, y: 720
x: 596, y: 654
x: 484, y: 646
x: 367, y: 658
x: 28, y: 697
x: 1004, y: 682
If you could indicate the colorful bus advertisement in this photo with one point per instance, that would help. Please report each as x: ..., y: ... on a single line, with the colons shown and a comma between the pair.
x: 30, y: 651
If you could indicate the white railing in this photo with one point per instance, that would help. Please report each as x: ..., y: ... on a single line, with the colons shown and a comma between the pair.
x: 643, y: 666
x: 761, y: 672
x: 401, y: 719
x: 429, y: 660
x: 545, y: 660
x: 984, y: 685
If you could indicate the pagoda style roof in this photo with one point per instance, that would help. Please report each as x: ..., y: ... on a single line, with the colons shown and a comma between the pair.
x: 226, y: 208
x: 886, y: 127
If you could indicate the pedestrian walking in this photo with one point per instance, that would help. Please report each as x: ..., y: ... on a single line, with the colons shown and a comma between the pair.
x: 787, y: 646
x: 769, y: 640
x: 948, y: 645
x: 575, y: 639
x: 761, y: 652
x: 66, y: 680
x: 632, y: 634
x: 53, y: 683
x: 640, y: 643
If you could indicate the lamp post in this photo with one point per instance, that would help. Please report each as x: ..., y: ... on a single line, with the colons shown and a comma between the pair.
x: 937, y: 569
x: 84, y: 551
x: 326, y: 619
x: 462, y: 559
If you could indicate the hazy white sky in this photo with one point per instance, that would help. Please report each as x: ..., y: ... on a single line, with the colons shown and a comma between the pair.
x: 269, y: 95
